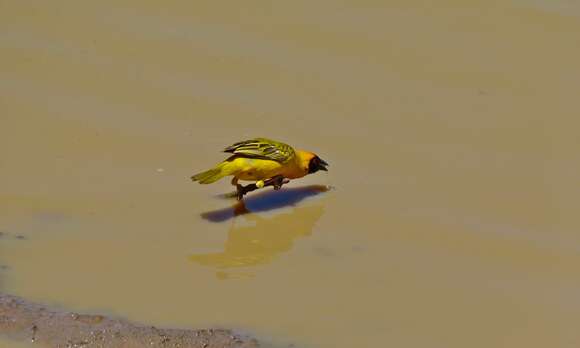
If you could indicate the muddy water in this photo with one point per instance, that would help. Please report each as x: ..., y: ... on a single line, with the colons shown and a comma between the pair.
x: 451, y: 131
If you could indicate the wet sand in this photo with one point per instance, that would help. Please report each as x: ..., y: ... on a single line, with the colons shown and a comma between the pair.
x: 37, y: 324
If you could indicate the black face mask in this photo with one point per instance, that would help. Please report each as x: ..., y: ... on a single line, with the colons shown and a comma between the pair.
x: 316, y: 164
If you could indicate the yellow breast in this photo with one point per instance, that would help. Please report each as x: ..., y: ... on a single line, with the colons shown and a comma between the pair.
x: 255, y: 169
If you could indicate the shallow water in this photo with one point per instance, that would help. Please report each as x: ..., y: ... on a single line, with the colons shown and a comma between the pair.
x: 451, y: 131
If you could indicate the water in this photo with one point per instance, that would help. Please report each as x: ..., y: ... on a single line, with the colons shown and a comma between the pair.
x: 451, y: 131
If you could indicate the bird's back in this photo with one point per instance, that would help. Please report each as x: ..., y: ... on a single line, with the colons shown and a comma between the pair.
x: 263, y: 148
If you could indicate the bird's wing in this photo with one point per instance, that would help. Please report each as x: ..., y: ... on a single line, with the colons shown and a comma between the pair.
x: 262, y: 148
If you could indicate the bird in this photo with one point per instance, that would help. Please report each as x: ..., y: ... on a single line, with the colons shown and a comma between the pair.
x: 264, y: 161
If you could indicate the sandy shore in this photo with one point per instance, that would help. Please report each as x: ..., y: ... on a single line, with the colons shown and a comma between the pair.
x: 20, y: 319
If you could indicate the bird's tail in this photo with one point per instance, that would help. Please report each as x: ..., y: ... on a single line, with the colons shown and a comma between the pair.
x: 211, y: 175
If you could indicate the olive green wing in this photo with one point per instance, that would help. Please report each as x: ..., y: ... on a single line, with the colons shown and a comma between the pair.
x: 262, y: 148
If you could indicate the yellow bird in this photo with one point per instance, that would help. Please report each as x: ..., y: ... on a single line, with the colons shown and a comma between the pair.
x: 264, y: 161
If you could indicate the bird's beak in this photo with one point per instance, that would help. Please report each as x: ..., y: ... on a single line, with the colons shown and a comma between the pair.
x: 323, y: 165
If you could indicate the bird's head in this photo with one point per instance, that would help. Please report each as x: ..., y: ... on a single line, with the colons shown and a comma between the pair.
x: 310, y: 162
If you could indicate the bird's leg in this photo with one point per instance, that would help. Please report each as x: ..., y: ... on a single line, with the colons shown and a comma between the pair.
x: 276, y: 181
x: 241, y: 191
x: 281, y: 182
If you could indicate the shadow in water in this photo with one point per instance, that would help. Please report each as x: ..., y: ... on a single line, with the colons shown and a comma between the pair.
x: 265, y: 201
x: 260, y: 240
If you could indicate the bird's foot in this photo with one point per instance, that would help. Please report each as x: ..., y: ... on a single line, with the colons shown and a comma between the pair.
x: 277, y: 182
x: 240, y: 192
x: 243, y: 190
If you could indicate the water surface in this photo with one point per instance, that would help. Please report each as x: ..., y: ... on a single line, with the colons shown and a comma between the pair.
x: 451, y: 130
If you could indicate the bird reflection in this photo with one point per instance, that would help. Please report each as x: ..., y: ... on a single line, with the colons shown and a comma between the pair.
x: 257, y: 240
x: 265, y: 201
